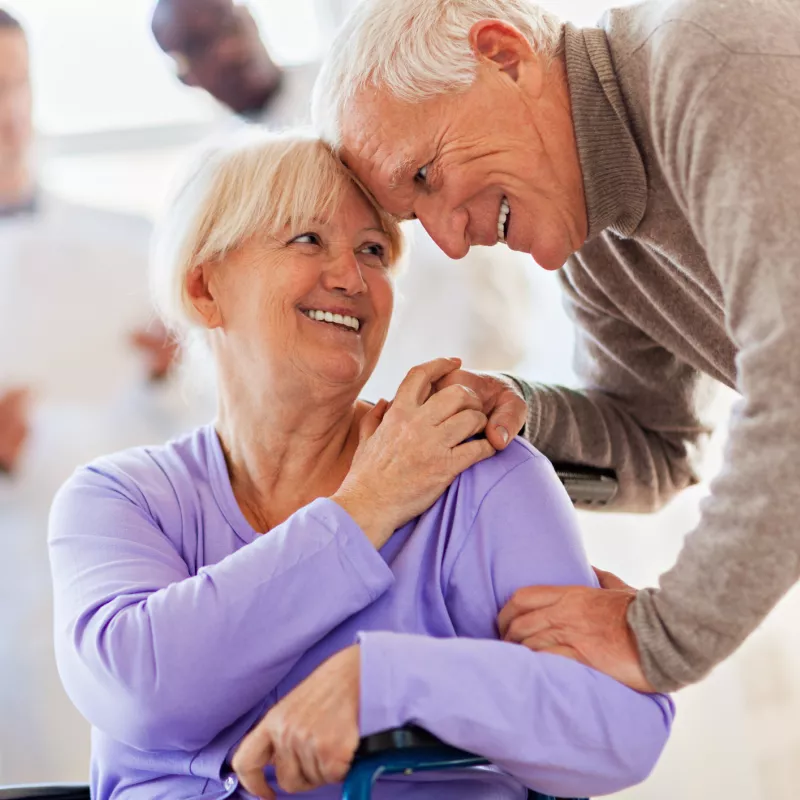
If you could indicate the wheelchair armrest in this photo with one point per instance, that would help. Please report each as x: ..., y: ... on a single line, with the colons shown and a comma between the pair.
x: 588, y: 486
x: 406, y: 750
x: 397, y: 739
x: 46, y: 791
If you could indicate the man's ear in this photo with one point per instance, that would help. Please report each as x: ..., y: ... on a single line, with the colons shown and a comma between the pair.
x: 201, y: 295
x: 500, y: 43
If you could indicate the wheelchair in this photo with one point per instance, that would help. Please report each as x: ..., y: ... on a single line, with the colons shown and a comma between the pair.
x: 400, y: 751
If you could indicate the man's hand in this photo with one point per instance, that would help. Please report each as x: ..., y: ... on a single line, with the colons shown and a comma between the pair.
x: 310, y: 736
x: 14, y: 426
x: 502, y: 403
x: 159, y: 349
x: 584, y: 624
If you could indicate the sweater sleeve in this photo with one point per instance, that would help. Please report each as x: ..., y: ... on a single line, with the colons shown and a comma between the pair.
x: 161, y: 659
x: 740, y: 180
x: 640, y: 412
x: 556, y: 725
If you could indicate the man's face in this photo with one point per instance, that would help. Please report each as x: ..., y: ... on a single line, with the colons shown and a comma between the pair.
x: 16, y: 128
x: 457, y: 161
x: 215, y: 45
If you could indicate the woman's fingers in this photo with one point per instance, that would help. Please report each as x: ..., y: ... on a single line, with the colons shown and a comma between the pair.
x: 469, y: 453
x: 417, y: 386
x: 463, y: 426
x: 254, y: 753
x: 450, y: 401
x: 290, y: 771
x: 372, y: 420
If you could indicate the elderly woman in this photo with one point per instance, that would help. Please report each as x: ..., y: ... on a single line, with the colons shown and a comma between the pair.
x: 306, y: 538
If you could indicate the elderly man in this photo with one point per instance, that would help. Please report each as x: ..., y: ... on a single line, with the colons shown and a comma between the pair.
x: 659, y: 155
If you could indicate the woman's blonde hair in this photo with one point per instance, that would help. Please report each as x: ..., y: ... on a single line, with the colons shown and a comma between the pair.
x: 252, y: 182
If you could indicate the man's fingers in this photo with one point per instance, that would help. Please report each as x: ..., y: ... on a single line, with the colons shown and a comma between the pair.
x: 254, y: 753
x: 524, y: 626
x: 555, y: 650
x: 506, y: 419
x: 528, y: 599
x: 610, y: 581
x: 417, y: 386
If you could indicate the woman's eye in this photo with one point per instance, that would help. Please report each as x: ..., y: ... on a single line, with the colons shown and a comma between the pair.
x: 375, y: 250
x: 305, y: 238
x: 422, y: 174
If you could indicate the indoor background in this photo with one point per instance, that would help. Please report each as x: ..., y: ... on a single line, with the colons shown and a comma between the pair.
x: 113, y: 128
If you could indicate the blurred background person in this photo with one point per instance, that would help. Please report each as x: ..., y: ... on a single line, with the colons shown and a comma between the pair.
x: 83, y: 368
x: 476, y: 308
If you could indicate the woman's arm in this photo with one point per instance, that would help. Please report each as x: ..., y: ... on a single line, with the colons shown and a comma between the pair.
x: 160, y: 659
x: 558, y: 726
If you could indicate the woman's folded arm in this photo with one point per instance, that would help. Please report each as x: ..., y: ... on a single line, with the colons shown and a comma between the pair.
x: 162, y: 659
x: 557, y: 725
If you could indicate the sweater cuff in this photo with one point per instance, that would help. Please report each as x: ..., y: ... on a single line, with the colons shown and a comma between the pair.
x: 379, y: 706
x: 528, y: 391
x: 661, y: 662
x: 354, y: 546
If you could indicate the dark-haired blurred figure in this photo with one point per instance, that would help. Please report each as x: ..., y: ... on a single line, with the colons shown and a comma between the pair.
x: 476, y: 308
x: 80, y: 362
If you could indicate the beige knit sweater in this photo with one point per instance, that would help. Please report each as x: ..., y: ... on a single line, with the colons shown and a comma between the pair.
x: 687, y: 117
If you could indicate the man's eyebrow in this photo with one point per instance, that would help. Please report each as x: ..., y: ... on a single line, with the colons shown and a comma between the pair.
x: 400, y: 172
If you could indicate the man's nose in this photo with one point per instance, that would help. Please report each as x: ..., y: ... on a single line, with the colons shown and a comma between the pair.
x: 448, y: 228
x: 343, y: 274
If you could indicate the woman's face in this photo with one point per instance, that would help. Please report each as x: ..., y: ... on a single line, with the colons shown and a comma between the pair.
x: 314, y: 303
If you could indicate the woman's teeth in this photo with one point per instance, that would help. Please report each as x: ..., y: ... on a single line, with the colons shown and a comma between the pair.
x: 337, y: 319
x: 501, y: 220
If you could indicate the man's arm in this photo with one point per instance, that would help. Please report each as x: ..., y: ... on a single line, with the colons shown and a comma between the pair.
x: 639, y: 414
x: 741, y: 183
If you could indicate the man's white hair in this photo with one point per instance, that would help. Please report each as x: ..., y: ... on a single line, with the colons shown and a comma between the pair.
x: 415, y: 49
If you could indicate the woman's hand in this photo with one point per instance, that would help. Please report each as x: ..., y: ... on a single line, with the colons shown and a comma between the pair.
x: 310, y: 736
x: 410, y: 451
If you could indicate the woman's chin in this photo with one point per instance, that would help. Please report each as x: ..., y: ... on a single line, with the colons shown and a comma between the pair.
x: 343, y: 370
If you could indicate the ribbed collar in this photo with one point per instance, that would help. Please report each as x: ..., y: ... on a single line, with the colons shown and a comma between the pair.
x: 614, y: 179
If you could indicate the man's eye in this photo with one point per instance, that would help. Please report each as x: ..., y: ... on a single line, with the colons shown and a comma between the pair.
x: 422, y: 174
x: 305, y: 238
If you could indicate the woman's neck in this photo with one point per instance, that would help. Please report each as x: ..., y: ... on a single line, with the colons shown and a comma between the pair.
x: 284, y: 453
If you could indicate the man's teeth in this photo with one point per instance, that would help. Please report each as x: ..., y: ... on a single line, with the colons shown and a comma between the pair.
x: 338, y: 319
x: 501, y: 220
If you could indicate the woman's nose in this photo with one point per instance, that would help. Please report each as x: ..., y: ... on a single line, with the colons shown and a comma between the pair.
x: 343, y: 274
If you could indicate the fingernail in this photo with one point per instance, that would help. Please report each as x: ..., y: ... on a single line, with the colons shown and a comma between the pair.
x: 503, y: 433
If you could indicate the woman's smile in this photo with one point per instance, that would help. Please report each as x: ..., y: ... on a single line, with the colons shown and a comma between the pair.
x: 335, y: 318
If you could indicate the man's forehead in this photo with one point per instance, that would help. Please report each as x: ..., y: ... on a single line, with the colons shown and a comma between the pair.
x: 375, y: 134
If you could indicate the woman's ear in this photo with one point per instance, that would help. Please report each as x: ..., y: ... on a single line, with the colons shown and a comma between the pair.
x: 500, y: 43
x: 201, y: 295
